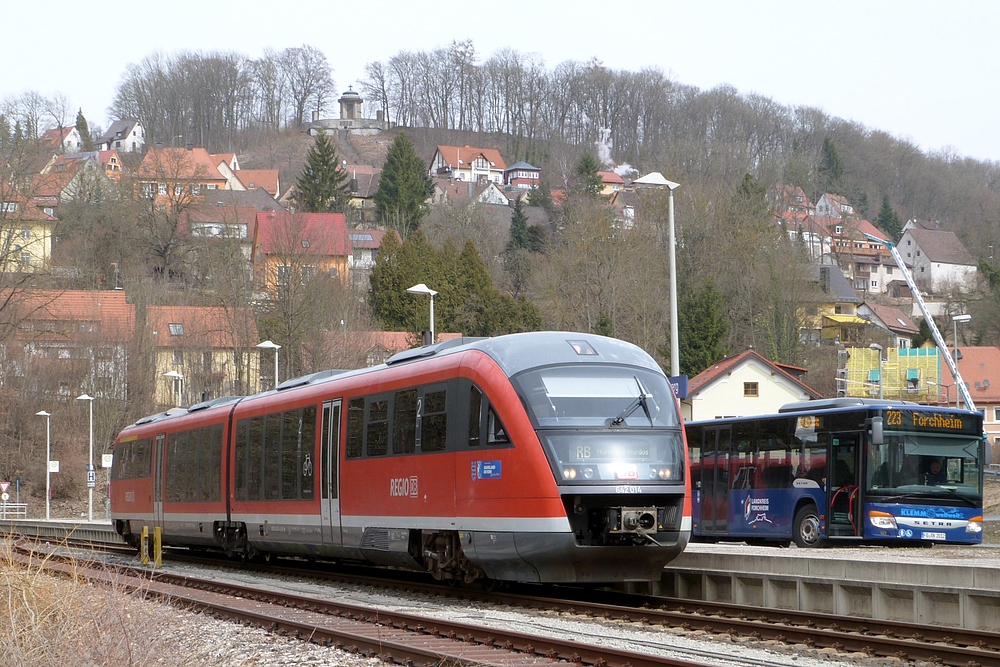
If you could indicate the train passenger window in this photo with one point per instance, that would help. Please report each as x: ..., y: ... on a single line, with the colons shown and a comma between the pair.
x: 404, y: 422
x: 475, y: 414
x: 355, y: 427
x: 242, y: 436
x: 377, y: 435
x: 272, y: 456
x: 291, y: 434
x: 434, y: 422
x: 255, y: 460
x: 495, y: 431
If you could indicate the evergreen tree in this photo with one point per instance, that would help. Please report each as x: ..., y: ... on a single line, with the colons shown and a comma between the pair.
x: 518, y: 227
x: 84, y: 129
x: 541, y: 195
x: 322, y: 185
x: 587, y: 180
x: 404, y: 187
x: 888, y: 221
x: 830, y: 168
x: 702, y: 329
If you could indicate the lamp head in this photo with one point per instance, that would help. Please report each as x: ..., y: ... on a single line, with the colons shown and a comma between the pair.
x: 43, y: 413
x: 268, y: 345
x: 84, y: 397
x: 421, y: 289
x: 962, y: 318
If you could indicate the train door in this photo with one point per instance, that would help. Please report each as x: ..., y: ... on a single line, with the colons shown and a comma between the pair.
x: 330, y: 478
x: 844, y: 509
x: 158, y: 481
x: 715, y: 482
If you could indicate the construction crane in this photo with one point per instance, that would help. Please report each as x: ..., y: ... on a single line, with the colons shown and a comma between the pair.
x: 938, y: 338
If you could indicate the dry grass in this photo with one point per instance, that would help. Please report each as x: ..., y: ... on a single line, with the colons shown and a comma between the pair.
x: 56, y: 621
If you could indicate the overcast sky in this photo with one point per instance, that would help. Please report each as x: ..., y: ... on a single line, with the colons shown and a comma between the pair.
x: 923, y: 71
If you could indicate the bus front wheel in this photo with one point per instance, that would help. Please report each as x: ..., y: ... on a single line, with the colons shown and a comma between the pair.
x: 806, y: 528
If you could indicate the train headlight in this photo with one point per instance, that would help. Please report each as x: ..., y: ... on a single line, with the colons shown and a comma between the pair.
x: 666, y: 473
x: 569, y: 473
x: 975, y: 525
x: 882, y: 520
x: 588, y: 473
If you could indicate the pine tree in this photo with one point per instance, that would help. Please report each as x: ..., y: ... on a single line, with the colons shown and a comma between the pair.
x: 830, y: 168
x: 888, y: 221
x: 322, y: 185
x: 588, y: 181
x: 703, y: 330
x: 84, y: 129
x: 404, y: 187
x: 518, y: 227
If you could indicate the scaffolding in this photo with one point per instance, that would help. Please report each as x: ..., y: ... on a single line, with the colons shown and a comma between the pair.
x: 906, y: 374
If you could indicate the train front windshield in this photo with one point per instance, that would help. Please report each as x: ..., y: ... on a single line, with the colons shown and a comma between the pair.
x: 920, y: 465
x: 604, y: 423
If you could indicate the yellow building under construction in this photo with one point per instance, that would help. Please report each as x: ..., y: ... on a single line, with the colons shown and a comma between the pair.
x: 898, y: 373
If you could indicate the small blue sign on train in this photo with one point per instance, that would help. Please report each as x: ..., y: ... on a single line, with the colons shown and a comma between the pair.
x: 487, y: 470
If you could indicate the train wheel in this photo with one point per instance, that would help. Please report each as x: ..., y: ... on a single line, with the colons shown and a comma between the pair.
x: 805, y: 528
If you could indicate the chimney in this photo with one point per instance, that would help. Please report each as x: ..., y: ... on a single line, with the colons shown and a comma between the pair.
x: 315, y: 116
x: 190, y: 145
x: 158, y: 145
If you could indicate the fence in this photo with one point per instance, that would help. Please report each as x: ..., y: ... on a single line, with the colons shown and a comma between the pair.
x: 13, y: 510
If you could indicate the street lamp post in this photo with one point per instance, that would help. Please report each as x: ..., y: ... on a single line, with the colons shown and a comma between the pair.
x: 178, y: 382
x: 48, y: 457
x: 91, y: 473
x: 881, y: 370
x: 424, y: 289
x: 947, y: 391
x: 267, y: 345
x: 675, y: 361
x: 954, y: 321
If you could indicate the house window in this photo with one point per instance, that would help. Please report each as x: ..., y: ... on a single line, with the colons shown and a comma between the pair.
x: 206, y: 361
x: 750, y: 390
x: 284, y: 271
x: 196, y: 188
x: 176, y: 329
x: 996, y: 414
x: 178, y: 357
x: 162, y: 189
x: 178, y: 190
x: 308, y: 273
x: 918, y: 253
x: 25, y: 232
x: 888, y: 270
x: 147, y: 190
x: 26, y: 258
x: 210, y: 186
x: 9, y: 207
x: 874, y: 284
x: 838, y: 229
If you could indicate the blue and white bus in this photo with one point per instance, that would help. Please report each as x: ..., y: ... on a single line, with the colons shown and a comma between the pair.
x: 840, y: 470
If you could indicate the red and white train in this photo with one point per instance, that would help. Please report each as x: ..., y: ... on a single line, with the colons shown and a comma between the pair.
x: 539, y: 457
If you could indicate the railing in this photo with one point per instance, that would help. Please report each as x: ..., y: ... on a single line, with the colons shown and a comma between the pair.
x: 13, y: 510
x: 992, y: 470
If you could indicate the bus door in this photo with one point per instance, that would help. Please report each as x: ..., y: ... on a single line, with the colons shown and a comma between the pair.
x: 158, y: 482
x: 330, y: 478
x: 715, y: 481
x: 844, y: 500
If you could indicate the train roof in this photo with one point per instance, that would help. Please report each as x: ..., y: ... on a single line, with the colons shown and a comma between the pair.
x: 514, y: 353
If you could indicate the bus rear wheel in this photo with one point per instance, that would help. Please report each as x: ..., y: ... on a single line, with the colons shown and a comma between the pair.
x: 805, y: 528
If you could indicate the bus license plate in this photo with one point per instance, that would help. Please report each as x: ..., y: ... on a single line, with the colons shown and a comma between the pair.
x: 932, y: 536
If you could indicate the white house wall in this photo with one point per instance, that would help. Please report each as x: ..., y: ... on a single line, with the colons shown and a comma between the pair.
x: 724, y: 395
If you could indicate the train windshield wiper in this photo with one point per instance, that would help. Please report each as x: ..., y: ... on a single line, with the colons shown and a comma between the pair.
x: 630, y: 408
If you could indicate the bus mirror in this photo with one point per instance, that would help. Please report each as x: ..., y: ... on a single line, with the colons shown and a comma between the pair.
x: 877, y: 431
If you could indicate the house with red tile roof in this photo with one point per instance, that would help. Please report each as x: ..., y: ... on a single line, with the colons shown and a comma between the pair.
x: 788, y: 198
x: 68, y: 342
x: 938, y: 261
x: 70, y: 177
x: 742, y: 385
x: 29, y: 230
x: 892, y: 320
x: 212, y: 349
x: 834, y: 206
x: 265, y: 179
x: 293, y: 248
x: 348, y: 350
x: 611, y: 183
x: 980, y: 370
x: 467, y: 164
x: 177, y: 177
x: 63, y: 139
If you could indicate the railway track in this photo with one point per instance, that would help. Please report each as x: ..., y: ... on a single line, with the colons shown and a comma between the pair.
x: 940, y: 645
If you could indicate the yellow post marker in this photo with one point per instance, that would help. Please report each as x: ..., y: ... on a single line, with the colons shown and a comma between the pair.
x: 144, y: 546
x: 157, y: 547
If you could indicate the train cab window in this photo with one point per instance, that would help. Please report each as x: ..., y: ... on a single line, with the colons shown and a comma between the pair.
x: 475, y: 415
x: 495, y: 432
x: 434, y: 421
x: 377, y: 428
x: 355, y: 427
x: 404, y: 422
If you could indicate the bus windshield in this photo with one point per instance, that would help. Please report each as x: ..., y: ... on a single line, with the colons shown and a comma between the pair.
x: 930, y: 465
x: 588, y: 395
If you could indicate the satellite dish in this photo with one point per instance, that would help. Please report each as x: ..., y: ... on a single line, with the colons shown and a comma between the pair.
x: 986, y: 383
